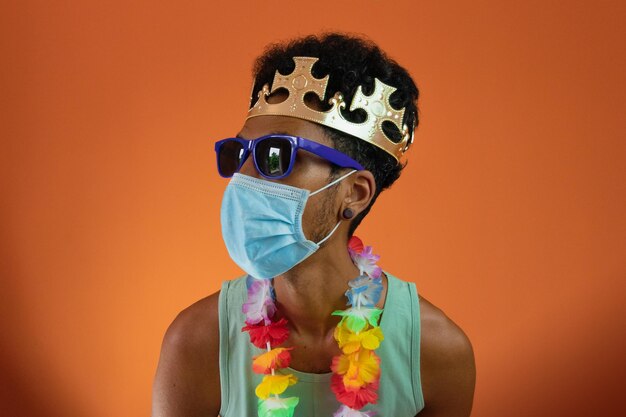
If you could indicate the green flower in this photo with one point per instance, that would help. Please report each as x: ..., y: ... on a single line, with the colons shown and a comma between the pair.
x: 277, y: 407
x: 356, y: 319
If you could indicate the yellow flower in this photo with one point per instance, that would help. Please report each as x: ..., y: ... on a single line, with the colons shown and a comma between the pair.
x: 274, y: 384
x: 350, y: 342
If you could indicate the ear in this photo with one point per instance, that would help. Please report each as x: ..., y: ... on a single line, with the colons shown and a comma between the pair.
x: 361, y: 192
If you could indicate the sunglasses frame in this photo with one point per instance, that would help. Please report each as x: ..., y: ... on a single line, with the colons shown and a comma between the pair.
x: 297, y: 142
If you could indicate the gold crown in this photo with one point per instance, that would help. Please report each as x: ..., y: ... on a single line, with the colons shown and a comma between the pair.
x: 301, y: 81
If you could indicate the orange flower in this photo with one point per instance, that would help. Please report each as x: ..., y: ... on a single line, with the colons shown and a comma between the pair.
x: 358, y: 369
x: 275, y: 358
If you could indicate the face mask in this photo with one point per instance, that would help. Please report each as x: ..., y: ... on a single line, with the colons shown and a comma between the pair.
x: 262, y: 225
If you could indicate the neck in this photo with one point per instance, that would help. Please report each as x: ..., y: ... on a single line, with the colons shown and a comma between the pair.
x: 307, y: 294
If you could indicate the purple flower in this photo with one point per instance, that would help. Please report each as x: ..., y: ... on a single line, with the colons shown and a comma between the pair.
x: 366, y: 262
x: 260, y: 305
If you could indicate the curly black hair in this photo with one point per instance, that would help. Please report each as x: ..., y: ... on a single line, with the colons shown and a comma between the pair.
x: 351, y: 61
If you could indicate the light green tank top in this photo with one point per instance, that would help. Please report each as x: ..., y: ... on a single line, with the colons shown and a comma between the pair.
x: 400, y: 389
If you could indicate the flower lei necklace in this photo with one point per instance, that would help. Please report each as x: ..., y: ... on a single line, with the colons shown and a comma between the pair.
x: 356, y: 372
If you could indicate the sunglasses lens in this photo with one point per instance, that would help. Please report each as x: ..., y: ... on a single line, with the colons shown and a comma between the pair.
x: 230, y: 155
x: 273, y: 156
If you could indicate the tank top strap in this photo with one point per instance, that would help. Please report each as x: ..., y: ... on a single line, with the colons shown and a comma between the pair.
x: 231, y: 319
x: 224, y: 354
x: 403, y: 385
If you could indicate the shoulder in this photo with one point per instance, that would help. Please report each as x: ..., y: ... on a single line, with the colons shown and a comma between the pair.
x: 448, y: 371
x: 189, y: 328
x: 187, y: 379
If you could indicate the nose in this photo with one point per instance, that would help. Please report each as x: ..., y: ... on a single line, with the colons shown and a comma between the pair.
x: 248, y: 167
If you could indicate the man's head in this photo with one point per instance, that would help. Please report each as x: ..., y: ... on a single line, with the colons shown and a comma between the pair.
x: 349, y: 62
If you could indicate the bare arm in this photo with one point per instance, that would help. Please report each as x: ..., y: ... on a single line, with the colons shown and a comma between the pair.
x: 448, y: 367
x: 187, y: 380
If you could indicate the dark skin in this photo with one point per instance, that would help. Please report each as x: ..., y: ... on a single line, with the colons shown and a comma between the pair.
x: 187, y: 380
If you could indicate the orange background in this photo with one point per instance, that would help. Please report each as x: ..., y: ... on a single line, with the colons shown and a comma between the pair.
x: 509, y: 216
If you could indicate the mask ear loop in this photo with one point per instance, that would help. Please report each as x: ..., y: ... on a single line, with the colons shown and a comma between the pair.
x: 334, y: 182
x: 323, y: 188
x: 330, y: 234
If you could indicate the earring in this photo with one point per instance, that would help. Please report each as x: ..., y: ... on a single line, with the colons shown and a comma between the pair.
x: 348, y: 213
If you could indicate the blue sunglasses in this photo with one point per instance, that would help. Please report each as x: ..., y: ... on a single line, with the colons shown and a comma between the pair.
x: 273, y: 155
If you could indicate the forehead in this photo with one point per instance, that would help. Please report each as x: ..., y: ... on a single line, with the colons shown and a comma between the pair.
x: 264, y: 125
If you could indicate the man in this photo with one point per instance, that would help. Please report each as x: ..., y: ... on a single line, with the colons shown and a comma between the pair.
x: 331, y: 114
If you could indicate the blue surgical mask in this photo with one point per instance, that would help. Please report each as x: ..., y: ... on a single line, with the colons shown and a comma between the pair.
x: 262, y: 225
